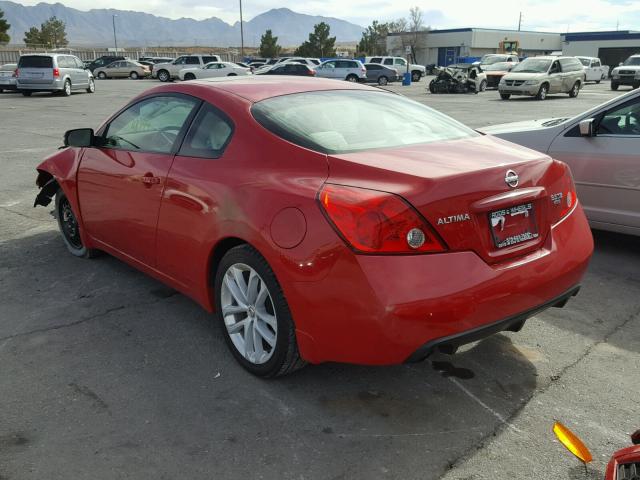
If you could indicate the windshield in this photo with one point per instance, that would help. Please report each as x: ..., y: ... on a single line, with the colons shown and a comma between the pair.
x: 504, y: 66
x: 492, y: 58
x: 533, y: 65
x: 340, y: 121
x: 585, y: 61
x: 632, y: 61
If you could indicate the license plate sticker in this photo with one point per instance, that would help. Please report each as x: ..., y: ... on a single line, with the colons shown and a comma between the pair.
x: 513, y: 225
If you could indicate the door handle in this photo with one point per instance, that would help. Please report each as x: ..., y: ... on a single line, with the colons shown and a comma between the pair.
x: 148, y: 179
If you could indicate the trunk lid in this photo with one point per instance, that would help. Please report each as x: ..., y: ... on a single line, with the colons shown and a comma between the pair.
x: 459, y: 187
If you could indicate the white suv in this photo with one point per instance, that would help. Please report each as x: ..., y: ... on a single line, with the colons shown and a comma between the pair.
x: 169, y: 71
x: 350, y: 70
x: 400, y: 64
x: 628, y: 73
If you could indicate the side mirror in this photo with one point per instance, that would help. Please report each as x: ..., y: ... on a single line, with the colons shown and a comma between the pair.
x: 586, y: 128
x: 79, y: 137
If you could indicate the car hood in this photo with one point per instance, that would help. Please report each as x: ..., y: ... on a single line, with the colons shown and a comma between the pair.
x: 526, y: 125
x: 524, y: 76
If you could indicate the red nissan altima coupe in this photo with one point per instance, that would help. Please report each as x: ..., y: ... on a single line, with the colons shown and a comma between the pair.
x: 322, y: 220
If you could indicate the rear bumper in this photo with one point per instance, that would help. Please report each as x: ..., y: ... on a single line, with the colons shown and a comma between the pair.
x: 8, y: 86
x: 54, y: 85
x: 380, y: 310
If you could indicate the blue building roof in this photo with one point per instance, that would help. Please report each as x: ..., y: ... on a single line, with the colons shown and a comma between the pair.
x: 607, y: 35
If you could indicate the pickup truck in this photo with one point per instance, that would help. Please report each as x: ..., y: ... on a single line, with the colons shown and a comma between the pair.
x: 593, y: 69
x: 168, y: 71
x: 400, y: 64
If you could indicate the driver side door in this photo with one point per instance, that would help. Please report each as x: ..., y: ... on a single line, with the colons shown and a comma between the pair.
x: 120, y: 183
x: 606, y: 167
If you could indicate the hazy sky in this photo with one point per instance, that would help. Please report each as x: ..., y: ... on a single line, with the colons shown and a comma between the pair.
x: 558, y: 15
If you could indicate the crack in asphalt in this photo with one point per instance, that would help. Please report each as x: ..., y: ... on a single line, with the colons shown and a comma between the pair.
x: 500, y: 427
x: 18, y: 213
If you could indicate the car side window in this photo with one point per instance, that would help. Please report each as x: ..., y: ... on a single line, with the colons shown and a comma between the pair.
x: 79, y: 63
x: 624, y: 120
x: 208, y: 135
x: 376, y: 60
x: 192, y: 61
x: 555, y: 67
x: 400, y: 61
x: 388, y: 61
x: 151, y: 125
x: 180, y: 61
x: 596, y: 63
x: 329, y: 65
x: 210, y: 59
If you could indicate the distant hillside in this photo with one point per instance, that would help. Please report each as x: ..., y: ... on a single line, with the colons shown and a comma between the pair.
x: 94, y: 27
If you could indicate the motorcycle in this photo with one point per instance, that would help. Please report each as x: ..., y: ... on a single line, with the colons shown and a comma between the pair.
x: 624, y: 463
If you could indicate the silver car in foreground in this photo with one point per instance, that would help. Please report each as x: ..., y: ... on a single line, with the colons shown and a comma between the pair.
x: 52, y: 72
x: 539, y: 76
x: 601, y: 146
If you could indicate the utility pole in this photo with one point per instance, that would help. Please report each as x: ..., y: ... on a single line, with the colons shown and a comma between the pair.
x: 519, y: 21
x: 241, y: 34
x: 115, y: 39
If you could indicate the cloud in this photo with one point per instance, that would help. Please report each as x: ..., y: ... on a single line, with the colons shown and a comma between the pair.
x: 545, y: 15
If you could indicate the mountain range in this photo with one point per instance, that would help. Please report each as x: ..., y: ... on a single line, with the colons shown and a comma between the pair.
x: 94, y: 28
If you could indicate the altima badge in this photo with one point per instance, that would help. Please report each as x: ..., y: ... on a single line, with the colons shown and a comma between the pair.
x: 511, y: 178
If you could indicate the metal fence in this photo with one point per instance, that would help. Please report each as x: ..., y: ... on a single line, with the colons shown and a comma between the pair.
x: 12, y: 56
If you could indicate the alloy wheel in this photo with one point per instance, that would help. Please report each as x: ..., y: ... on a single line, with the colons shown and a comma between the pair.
x: 249, y: 314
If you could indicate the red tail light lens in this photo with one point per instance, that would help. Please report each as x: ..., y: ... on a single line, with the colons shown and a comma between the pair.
x: 56, y: 72
x: 371, y: 221
x: 15, y: 73
x: 563, y: 201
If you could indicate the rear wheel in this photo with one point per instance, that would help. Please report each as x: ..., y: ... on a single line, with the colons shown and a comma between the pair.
x: 505, y: 96
x: 352, y: 78
x: 164, y: 76
x: 614, y: 85
x: 66, y: 90
x: 542, y: 93
x: 383, y: 80
x: 189, y: 76
x: 102, y: 75
x: 483, y: 86
x: 575, y: 90
x: 134, y: 75
x: 416, y: 76
x: 26, y: 93
x: 70, y: 229
x: 257, y: 324
x: 92, y: 86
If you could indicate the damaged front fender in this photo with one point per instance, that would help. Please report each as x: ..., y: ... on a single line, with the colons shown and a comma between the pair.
x: 47, y: 191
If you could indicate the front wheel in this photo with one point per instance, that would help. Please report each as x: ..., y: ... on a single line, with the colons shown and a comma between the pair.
x: 575, y: 90
x: 134, y: 75
x: 542, y: 93
x: 483, y: 86
x: 70, y: 229
x: 505, y: 96
x: 26, y: 93
x: 92, y: 86
x: 257, y: 323
x: 352, y: 78
x: 164, y: 76
x: 383, y: 80
x: 102, y: 75
x: 189, y: 76
x: 614, y: 85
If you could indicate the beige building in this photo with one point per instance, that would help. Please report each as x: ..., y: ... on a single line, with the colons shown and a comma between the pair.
x: 444, y: 47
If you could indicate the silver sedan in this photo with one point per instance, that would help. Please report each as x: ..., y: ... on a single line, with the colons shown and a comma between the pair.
x: 601, y: 146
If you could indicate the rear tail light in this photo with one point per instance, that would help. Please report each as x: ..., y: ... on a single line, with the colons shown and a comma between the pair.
x: 56, y: 72
x: 312, y: 72
x: 371, y: 221
x: 563, y: 201
x: 15, y: 73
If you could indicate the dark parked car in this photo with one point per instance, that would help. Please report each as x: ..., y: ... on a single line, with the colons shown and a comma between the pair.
x: 380, y: 74
x: 103, y: 61
x: 155, y: 60
x: 288, y: 69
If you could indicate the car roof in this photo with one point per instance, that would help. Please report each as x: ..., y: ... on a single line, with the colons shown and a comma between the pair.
x: 257, y: 88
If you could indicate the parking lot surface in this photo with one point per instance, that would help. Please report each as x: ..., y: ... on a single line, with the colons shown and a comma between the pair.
x: 106, y: 373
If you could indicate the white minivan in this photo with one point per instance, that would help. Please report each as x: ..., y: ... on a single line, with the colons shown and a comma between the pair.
x: 350, y: 70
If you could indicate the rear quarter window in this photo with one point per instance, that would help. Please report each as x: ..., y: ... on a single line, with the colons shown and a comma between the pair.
x: 35, y: 61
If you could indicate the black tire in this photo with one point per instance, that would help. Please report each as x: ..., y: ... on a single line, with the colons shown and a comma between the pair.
x: 352, y: 78
x: 26, y: 93
x: 286, y: 357
x: 614, y: 85
x: 505, y: 96
x: 483, y: 86
x: 382, y: 80
x: 164, y: 76
x: 232, y: 75
x: 92, y: 86
x: 432, y: 86
x: 575, y: 90
x: 102, y: 75
x: 542, y: 93
x: 189, y: 76
x: 134, y: 76
x: 416, y: 75
x: 69, y: 228
x: 598, y: 81
x: 1, y: 90
x: 66, y: 90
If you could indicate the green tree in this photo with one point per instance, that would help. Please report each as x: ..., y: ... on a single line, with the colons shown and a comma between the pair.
x: 320, y: 44
x: 373, y: 39
x: 269, y: 47
x: 52, y: 33
x: 4, y: 29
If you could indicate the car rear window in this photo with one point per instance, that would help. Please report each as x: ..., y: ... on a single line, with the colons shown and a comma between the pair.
x: 35, y: 61
x: 341, y: 121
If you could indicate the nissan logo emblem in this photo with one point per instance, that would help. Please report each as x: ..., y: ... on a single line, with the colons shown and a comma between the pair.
x: 511, y: 178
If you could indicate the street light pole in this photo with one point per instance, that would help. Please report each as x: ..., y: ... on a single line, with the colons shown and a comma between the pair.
x: 115, y: 39
x: 241, y: 34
